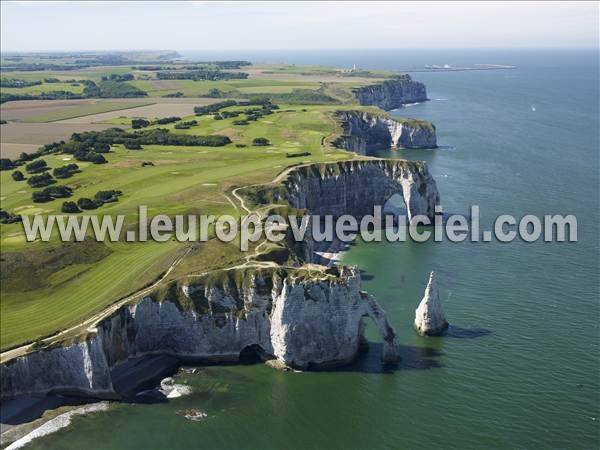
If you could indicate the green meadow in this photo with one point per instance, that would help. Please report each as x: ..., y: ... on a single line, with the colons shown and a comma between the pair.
x: 47, y: 287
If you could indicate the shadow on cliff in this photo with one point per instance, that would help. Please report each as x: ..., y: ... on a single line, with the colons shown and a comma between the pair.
x: 411, y: 358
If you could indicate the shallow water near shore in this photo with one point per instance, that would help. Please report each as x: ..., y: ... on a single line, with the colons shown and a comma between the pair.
x: 519, y: 367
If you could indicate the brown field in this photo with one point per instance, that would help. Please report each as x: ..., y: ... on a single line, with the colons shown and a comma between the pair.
x: 164, y: 107
x: 41, y: 133
x: 14, y: 150
x: 25, y: 109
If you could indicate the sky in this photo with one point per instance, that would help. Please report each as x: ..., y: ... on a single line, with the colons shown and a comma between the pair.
x: 187, y: 26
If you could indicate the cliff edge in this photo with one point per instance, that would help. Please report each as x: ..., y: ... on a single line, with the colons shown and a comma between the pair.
x: 392, y: 94
x: 302, y: 318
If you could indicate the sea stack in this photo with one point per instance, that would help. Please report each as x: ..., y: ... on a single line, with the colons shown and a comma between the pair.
x: 429, y: 316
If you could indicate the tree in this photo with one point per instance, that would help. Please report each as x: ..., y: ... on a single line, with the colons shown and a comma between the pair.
x: 42, y: 180
x: 101, y: 147
x: 6, y: 217
x: 65, y: 171
x: 17, y: 175
x: 36, y: 166
x: 40, y: 197
x: 96, y: 158
x: 133, y: 145
x: 107, y: 196
x: 136, y: 124
x: 87, y: 203
x: 58, y: 191
x: 6, y: 164
x: 70, y: 207
x: 259, y: 142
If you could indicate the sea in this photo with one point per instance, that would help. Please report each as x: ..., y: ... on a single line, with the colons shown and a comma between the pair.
x: 520, y: 365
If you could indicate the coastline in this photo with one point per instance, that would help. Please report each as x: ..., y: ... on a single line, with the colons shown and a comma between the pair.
x: 50, y: 426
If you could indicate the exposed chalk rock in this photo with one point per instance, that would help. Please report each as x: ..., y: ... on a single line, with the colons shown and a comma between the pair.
x: 301, y: 318
x: 393, y: 93
x: 429, y: 316
x: 355, y: 187
x: 364, y: 132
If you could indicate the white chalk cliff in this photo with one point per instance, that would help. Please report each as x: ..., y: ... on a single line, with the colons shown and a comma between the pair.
x: 299, y: 318
x: 392, y: 93
x: 364, y: 132
x: 429, y: 316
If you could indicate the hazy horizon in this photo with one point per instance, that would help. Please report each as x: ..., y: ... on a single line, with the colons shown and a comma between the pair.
x: 266, y: 26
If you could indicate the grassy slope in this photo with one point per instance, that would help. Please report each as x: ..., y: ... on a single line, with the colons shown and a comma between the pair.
x: 184, y: 179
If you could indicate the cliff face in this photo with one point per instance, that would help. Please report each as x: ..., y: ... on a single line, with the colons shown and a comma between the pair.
x: 363, y: 132
x: 354, y: 187
x: 302, y: 321
x: 392, y: 94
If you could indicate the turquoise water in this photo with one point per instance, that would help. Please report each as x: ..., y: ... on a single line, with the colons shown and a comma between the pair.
x: 520, y: 367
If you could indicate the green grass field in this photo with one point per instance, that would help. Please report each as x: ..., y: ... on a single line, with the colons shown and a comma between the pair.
x: 190, y: 88
x: 38, y: 89
x: 182, y: 180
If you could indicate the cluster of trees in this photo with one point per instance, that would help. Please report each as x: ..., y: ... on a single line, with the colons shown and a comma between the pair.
x: 166, y: 120
x: 213, y: 108
x: 90, y: 156
x: 85, y: 203
x: 65, y: 171
x: 36, y: 181
x: 225, y: 115
x: 16, y: 83
x: 157, y: 136
x: 216, y: 107
x: 260, y: 142
x: 50, y: 193
x: 185, y: 125
x: 303, y: 96
x: 215, y: 93
x: 119, y: 89
x: 6, y: 217
x: 41, y: 166
x: 174, y: 95
x: 118, y: 77
x: 201, y: 75
x: 51, y: 95
x: 106, y: 89
x: 37, y: 166
x: 252, y: 114
x: 136, y: 124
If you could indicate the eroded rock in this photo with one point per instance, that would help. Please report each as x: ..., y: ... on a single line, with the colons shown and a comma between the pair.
x: 429, y: 316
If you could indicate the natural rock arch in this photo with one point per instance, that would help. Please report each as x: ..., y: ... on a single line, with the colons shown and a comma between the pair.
x: 355, y: 187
